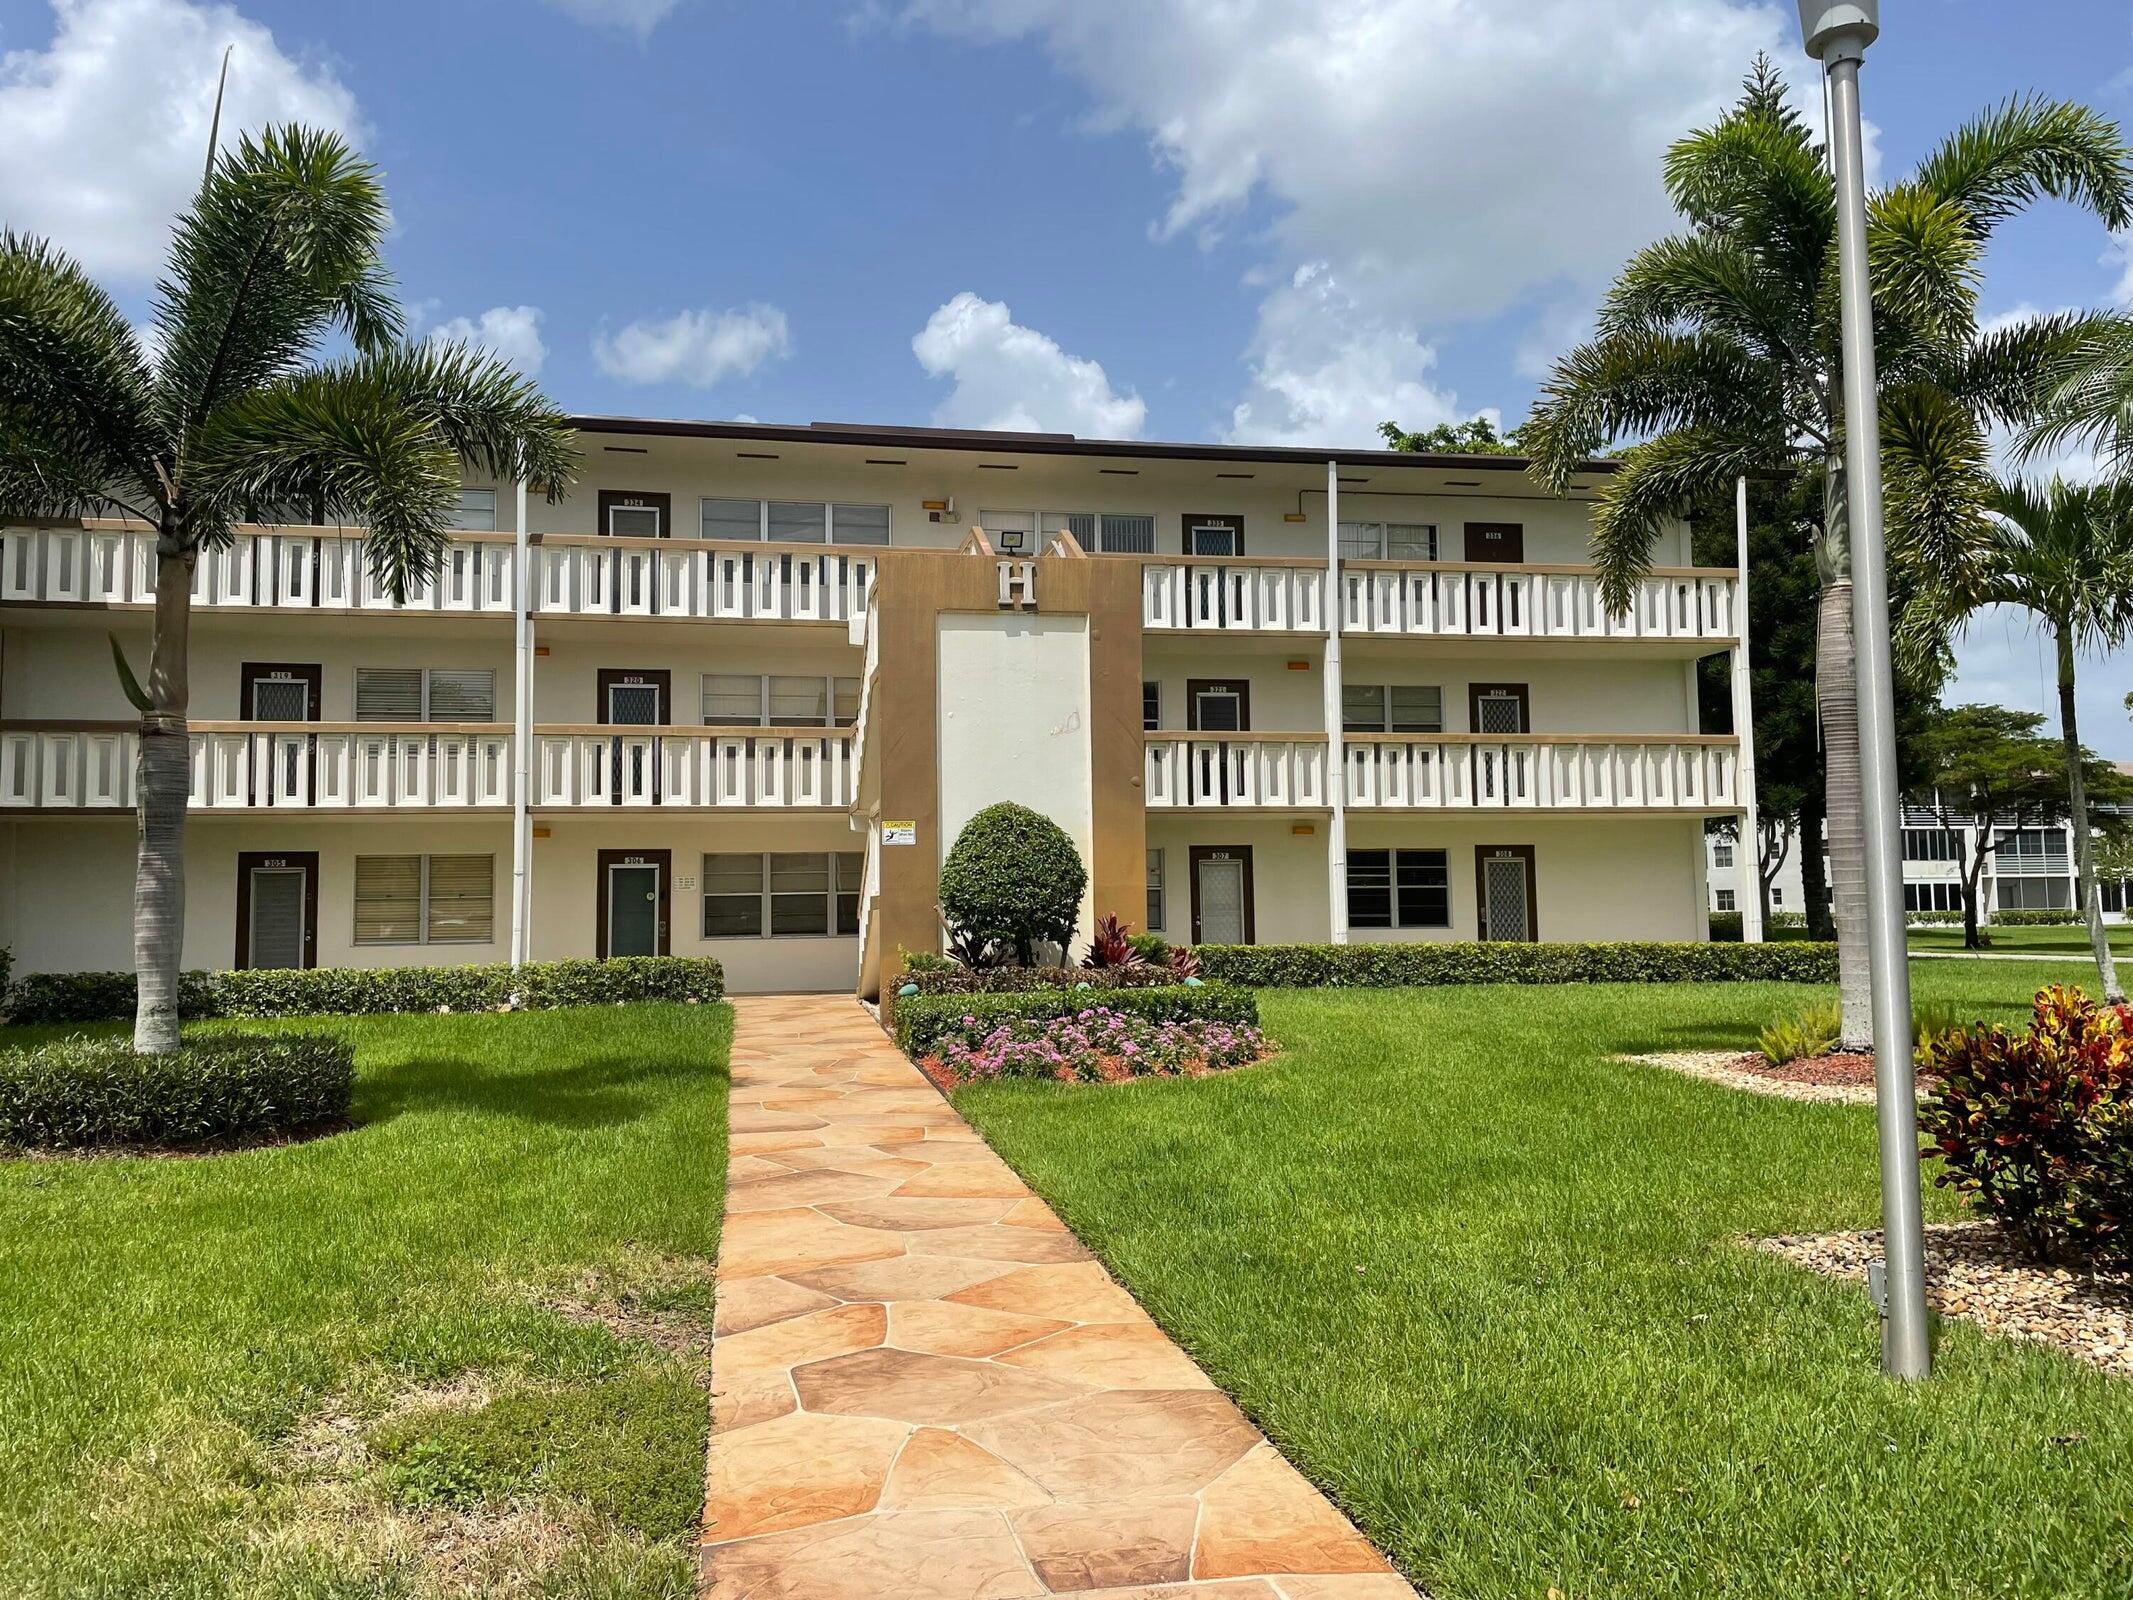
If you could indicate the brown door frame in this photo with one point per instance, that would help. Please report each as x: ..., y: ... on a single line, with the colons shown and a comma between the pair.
x: 1243, y: 688
x: 661, y: 502
x: 1194, y: 855
x: 1203, y: 519
x: 246, y: 861
x: 661, y: 678
x: 250, y: 673
x: 1474, y: 692
x: 1482, y: 853
x: 664, y: 861
x: 1503, y: 543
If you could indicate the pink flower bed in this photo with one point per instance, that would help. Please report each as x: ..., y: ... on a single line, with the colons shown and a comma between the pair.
x: 1097, y: 1045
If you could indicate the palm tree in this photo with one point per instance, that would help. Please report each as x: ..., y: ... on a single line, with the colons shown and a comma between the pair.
x: 2064, y: 553
x: 1717, y: 350
x: 229, y: 411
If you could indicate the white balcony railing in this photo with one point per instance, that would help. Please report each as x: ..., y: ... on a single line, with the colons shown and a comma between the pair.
x: 1453, y: 599
x: 1190, y: 769
x: 433, y: 766
x: 112, y: 564
x: 1220, y: 594
x: 776, y: 767
x: 1540, y: 772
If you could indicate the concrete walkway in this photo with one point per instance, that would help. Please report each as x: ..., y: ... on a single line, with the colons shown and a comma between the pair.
x: 925, y: 1389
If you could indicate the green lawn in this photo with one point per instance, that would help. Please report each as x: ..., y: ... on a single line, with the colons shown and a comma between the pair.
x: 2068, y: 941
x: 288, y: 1372
x: 1477, y: 1280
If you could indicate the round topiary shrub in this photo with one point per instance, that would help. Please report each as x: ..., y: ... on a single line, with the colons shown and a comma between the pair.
x: 81, y: 1093
x: 1013, y: 876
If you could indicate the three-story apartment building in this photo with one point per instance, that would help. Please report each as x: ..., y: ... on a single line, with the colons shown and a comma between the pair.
x: 736, y: 694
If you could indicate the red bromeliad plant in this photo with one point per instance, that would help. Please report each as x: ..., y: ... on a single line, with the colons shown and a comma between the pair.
x: 1111, y: 945
x: 2037, y: 1127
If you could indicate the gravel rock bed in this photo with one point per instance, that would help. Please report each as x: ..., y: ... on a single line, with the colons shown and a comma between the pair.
x: 1730, y: 1067
x: 1973, y: 1272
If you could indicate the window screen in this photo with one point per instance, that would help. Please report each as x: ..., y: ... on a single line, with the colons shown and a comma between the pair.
x: 860, y: 524
x: 1369, y: 888
x: 634, y: 522
x: 733, y: 897
x: 1726, y: 900
x: 847, y: 701
x: 1392, y: 708
x: 1079, y: 523
x: 1155, y: 889
x: 799, y: 521
x: 460, y: 906
x: 851, y: 870
x: 388, y: 694
x: 476, y: 511
x: 1399, y: 888
x: 799, y: 893
x: 733, y: 519
x: 799, y: 702
x: 1151, y: 705
x: 733, y: 701
x: 418, y: 694
x: 462, y: 694
x: 1128, y: 535
x: 388, y: 899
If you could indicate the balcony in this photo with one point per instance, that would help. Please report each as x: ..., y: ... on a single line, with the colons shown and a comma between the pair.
x: 310, y: 569
x: 1452, y: 599
x: 1541, y: 772
x: 369, y: 766
x: 1226, y: 594
x: 1279, y: 770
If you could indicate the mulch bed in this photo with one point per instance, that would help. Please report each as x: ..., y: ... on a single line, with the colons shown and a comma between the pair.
x: 1974, y: 1271
x: 1835, y: 1080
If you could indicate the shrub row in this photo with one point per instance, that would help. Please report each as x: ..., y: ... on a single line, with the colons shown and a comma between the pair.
x: 79, y: 1093
x: 2035, y: 919
x: 1385, y: 966
x: 1726, y: 927
x: 923, y: 1019
x: 62, y: 997
x: 952, y: 979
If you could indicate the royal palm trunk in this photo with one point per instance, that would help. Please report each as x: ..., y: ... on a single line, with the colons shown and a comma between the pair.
x: 2078, y: 807
x: 160, y: 789
x: 1837, y: 694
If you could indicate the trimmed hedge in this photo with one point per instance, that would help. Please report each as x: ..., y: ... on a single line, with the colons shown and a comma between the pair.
x: 64, y: 997
x: 1022, y: 980
x: 81, y: 1093
x: 1727, y: 927
x: 1389, y: 966
x: 2036, y: 919
x: 922, y: 1019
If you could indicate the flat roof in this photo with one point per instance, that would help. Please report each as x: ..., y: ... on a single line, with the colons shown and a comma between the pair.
x: 1056, y: 444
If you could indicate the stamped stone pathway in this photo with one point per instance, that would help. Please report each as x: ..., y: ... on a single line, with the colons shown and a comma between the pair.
x: 925, y: 1389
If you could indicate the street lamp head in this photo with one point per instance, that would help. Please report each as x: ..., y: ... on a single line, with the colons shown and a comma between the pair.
x: 1834, y: 29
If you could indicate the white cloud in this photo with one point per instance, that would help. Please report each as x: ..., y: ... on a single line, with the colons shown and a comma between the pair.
x: 1009, y: 376
x: 510, y: 333
x: 699, y: 348
x: 630, y: 16
x: 1326, y: 371
x: 103, y: 133
x: 1440, y: 161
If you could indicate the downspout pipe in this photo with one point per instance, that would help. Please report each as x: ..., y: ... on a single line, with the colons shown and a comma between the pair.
x: 521, y: 735
x: 1750, y: 852
x: 1336, y: 751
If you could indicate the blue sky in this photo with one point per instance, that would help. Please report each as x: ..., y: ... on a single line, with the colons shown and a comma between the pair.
x: 1206, y: 219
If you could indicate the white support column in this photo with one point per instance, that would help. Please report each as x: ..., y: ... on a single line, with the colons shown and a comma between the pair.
x: 1750, y: 851
x: 521, y: 738
x: 1336, y: 758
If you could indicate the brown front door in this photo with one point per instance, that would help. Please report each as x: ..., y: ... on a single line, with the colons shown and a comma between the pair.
x: 634, y: 699
x: 1222, y: 894
x: 1498, y: 708
x: 277, y: 908
x: 1496, y: 541
x: 1218, y: 705
x: 279, y: 691
x: 1505, y: 897
x: 634, y: 514
x: 635, y: 894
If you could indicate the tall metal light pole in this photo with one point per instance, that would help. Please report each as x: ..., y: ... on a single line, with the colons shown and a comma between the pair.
x: 1837, y: 33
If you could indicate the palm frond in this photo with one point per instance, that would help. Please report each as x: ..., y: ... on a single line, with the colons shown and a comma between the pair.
x: 487, y: 412
x: 2064, y: 551
x: 1924, y: 261
x: 2004, y: 159
x: 1660, y: 478
x: 2008, y: 372
x: 1937, y: 476
x: 1757, y: 177
x: 1703, y: 281
x: 76, y: 423
x: 2088, y: 394
x: 280, y: 248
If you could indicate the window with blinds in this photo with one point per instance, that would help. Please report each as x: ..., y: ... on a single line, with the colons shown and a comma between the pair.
x: 475, y: 511
x: 1127, y: 535
x: 1399, y: 889
x: 1392, y: 708
x: 778, y: 700
x: 425, y: 694
x: 782, y: 894
x: 1388, y: 541
x: 795, y: 521
x: 425, y: 899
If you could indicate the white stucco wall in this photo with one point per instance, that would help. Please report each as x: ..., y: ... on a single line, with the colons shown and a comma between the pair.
x: 1014, y: 723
